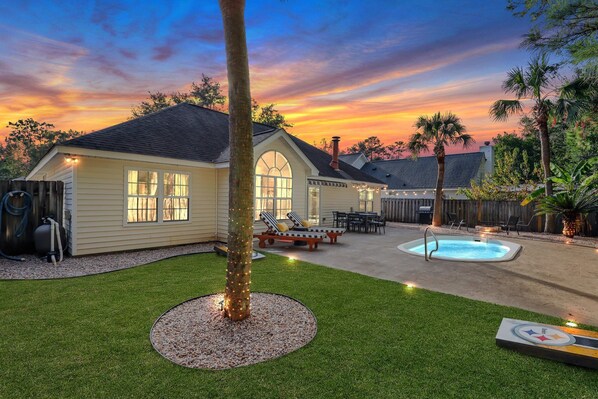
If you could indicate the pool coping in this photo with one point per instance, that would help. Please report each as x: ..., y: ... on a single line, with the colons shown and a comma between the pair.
x: 514, y: 248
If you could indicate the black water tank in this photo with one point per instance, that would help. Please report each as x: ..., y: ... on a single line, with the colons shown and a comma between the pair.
x: 41, y: 237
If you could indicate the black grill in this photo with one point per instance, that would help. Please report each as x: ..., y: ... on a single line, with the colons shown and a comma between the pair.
x: 424, y: 215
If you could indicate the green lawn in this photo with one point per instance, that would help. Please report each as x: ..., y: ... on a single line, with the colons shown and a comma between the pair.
x: 88, y: 337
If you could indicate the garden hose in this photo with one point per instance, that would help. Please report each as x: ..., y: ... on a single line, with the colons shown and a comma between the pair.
x: 22, y: 212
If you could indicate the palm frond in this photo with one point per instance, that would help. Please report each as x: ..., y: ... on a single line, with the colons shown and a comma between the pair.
x: 516, y: 83
x: 501, y: 109
x: 534, y: 195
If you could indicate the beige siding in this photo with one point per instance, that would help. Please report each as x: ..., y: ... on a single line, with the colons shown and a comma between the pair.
x: 59, y: 170
x: 343, y: 199
x: 222, y: 204
x: 100, y: 209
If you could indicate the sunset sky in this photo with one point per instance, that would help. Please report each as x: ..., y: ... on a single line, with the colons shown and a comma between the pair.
x: 347, y: 68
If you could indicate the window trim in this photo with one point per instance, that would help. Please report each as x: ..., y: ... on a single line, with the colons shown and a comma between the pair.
x: 159, y: 194
x: 255, y: 175
x: 366, y: 201
x: 319, y: 188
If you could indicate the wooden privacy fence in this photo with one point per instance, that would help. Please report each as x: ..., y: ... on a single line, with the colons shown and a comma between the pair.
x: 477, y: 213
x: 47, y: 199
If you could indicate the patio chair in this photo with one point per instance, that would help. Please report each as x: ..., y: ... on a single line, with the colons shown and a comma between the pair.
x: 527, y: 225
x: 277, y: 232
x: 512, y: 223
x: 379, y: 223
x: 339, y: 219
x: 300, y: 223
x: 452, y: 221
x: 356, y: 222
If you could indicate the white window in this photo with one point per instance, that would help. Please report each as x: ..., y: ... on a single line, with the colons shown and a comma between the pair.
x: 142, y: 200
x: 366, y: 200
x: 176, y: 197
x: 154, y: 196
x: 273, y: 185
x: 313, y: 204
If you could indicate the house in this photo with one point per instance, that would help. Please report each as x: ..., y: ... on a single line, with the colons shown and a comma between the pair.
x: 162, y: 180
x: 416, y: 178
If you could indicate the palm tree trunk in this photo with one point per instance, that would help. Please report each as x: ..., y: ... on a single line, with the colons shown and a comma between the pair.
x: 437, y: 217
x: 542, y: 122
x: 240, y: 195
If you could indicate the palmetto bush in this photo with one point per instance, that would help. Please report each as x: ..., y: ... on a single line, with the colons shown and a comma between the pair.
x: 575, y: 195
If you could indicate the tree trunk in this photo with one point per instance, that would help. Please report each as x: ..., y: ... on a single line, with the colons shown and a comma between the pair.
x: 240, y: 195
x: 437, y: 217
x: 542, y: 122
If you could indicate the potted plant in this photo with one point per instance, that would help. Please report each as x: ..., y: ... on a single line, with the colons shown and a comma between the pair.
x: 575, y: 194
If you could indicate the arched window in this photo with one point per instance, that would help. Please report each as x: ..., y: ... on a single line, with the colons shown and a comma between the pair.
x: 273, y: 185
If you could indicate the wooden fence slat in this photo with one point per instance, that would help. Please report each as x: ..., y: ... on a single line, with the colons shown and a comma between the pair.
x: 405, y: 210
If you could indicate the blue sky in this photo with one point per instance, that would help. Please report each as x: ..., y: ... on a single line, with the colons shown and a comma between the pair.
x: 348, y: 68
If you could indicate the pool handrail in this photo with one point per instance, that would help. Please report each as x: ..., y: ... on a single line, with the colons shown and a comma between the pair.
x: 428, y: 257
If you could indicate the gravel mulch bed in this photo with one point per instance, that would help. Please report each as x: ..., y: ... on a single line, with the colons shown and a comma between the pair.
x: 34, y: 268
x: 195, y: 334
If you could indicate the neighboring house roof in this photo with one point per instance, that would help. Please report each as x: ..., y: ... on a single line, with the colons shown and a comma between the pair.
x: 421, y: 173
x: 189, y: 132
x: 350, y: 158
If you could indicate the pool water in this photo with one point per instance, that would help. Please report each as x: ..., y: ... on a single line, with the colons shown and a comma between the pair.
x: 458, y: 249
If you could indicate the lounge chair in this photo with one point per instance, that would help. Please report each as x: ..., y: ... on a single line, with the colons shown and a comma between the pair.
x: 300, y: 223
x: 511, y: 224
x: 275, y: 233
x: 452, y: 221
x: 527, y: 225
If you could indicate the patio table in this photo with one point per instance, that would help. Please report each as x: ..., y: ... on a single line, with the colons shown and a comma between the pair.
x: 361, y: 219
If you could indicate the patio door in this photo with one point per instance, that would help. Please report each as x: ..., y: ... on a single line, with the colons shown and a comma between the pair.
x: 313, y: 204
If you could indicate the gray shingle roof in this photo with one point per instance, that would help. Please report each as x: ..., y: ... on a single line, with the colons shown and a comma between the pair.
x: 421, y: 173
x: 194, y: 133
x: 321, y: 160
x: 183, y: 131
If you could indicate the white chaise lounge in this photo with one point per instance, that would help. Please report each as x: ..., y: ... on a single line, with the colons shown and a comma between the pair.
x: 331, y: 232
x: 275, y: 233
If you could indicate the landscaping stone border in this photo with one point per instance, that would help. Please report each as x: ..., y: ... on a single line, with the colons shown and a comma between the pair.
x: 195, y: 333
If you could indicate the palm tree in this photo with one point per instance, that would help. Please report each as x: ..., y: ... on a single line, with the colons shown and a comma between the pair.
x: 438, y: 132
x: 534, y: 83
x: 240, y: 196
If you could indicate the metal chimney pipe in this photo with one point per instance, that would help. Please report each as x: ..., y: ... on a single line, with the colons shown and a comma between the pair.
x: 334, y: 162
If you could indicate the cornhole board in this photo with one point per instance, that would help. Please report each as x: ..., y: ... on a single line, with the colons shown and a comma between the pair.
x: 222, y: 250
x: 563, y: 344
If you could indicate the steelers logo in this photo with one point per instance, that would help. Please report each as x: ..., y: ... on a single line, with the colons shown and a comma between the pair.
x: 543, y: 335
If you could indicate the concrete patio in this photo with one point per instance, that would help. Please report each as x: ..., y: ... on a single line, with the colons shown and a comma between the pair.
x: 547, y: 277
